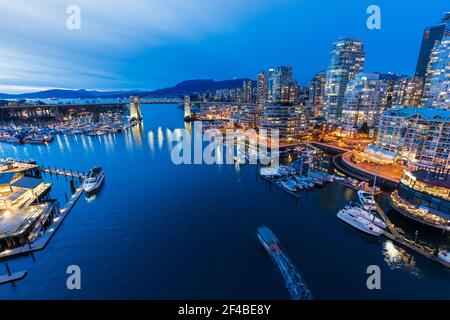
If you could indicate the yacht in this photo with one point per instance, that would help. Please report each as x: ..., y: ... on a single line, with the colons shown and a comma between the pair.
x: 370, y: 216
x: 94, y: 179
x: 354, y: 218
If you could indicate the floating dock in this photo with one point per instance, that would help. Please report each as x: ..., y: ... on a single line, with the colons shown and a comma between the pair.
x: 12, y: 277
x: 44, y: 238
x: 395, y: 236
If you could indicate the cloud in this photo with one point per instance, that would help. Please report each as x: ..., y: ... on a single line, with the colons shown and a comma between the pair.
x: 38, y: 50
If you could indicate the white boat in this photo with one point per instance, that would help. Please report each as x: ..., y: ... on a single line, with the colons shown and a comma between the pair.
x: 289, y: 185
x: 94, y: 180
x: 269, y: 172
x: 444, y: 255
x: 370, y: 216
x: 355, y: 219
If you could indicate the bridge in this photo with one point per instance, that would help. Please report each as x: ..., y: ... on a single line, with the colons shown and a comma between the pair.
x: 26, y: 112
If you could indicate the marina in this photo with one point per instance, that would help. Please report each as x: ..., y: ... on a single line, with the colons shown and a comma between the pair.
x: 180, y: 216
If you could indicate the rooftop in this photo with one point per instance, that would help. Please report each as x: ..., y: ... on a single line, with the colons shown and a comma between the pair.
x: 27, y: 182
x: 5, y: 178
x: 435, y: 179
x: 432, y: 114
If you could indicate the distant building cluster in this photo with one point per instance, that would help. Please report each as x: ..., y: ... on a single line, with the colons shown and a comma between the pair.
x: 408, y: 115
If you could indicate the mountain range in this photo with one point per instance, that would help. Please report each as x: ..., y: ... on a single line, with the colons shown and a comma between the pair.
x: 183, y: 88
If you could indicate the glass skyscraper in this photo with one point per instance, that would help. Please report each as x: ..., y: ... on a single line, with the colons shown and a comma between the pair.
x: 430, y: 36
x: 347, y: 59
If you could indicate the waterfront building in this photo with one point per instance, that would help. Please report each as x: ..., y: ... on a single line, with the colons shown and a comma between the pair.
x: 347, y: 60
x: 247, y: 91
x: 289, y: 119
x: 430, y: 36
x: 315, y: 101
x: 419, y: 136
x: 261, y: 86
x: 23, y: 209
x: 249, y: 116
x: 276, y: 78
x: 424, y: 196
x: 364, y: 101
x: 437, y: 85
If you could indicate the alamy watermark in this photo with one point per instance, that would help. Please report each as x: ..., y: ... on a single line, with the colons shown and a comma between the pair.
x: 74, y: 279
x: 374, y: 280
x: 73, y: 21
x: 374, y: 20
x: 241, y: 146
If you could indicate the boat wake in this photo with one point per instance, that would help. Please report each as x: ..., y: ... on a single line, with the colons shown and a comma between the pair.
x: 294, y: 282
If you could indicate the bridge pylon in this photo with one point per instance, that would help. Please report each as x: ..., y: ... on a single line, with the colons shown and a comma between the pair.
x: 135, y: 109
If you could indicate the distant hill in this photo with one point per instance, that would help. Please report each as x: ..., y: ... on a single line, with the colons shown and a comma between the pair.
x: 180, y: 89
x: 198, y: 86
x: 66, y: 94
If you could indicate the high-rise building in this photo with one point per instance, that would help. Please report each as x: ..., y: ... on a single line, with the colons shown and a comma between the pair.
x: 430, y: 36
x: 364, y: 102
x: 289, y: 119
x: 437, y: 85
x: 315, y: 96
x: 419, y: 135
x: 247, y: 91
x: 275, y: 79
x: 408, y: 91
x: 347, y: 59
x: 289, y: 92
x: 261, y: 87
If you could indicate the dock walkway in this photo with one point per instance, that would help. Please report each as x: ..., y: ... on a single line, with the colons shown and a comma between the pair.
x: 64, y: 172
x: 12, y: 277
x: 395, y: 236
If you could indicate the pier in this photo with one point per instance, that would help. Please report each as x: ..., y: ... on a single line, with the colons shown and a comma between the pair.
x: 12, y: 277
x: 64, y: 172
x: 44, y: 238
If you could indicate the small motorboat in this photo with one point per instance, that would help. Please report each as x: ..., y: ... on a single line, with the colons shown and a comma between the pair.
x: 94, y: 180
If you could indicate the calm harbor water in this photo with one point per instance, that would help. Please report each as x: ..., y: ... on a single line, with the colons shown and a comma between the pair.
x: 162, y: 231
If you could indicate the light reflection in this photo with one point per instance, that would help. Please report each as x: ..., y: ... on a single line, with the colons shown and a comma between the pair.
x: 67, y: 142
x: 169, y: 138
x: 151, y: 141
x: 60, y: 144
x: 398, y: 258
x: 137, y: 131
x: 160, y: 138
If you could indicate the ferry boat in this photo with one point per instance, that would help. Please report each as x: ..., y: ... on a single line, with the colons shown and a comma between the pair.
x: 268, y: 240
x: 353, y: 217
x: 94, y: 180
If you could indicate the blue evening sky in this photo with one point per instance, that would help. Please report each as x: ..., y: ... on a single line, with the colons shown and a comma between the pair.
x: 149, y: 44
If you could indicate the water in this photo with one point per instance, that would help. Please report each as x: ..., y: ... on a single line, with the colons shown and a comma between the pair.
x: 161, y: 231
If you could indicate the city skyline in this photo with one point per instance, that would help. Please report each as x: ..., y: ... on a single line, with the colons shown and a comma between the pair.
x: 155, y: 62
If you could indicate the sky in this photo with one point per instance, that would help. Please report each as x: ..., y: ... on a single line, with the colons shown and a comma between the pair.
x: 151, y: 44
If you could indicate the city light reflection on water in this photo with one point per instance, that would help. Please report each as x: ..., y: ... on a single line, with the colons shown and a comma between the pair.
x: 154, y: 222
